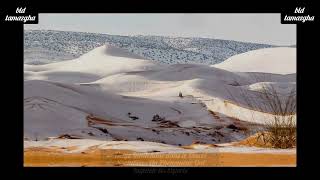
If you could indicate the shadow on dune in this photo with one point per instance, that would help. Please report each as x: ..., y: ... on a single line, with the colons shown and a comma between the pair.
x: 182, y: 72
x: 218, y: 83
x: 64, y: 77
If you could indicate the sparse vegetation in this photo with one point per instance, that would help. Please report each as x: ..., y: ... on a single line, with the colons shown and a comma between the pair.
x: 282, y: 128
x: 213, y: 114
x: 132, y: 117
x: 163, y: 122
x: 157, y: 118
x: 103, y: 130
x: 232, y: 126
x: 67, y: 136
x: 280, y: 131
x: 140, y: 139
x: 235, y: 83
x: 166, y: 50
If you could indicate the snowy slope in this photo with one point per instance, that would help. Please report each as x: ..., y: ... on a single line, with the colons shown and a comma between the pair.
x: 100, y: 62
x: 110, y: 93
x: 42, y: 47
x: 281, y: 60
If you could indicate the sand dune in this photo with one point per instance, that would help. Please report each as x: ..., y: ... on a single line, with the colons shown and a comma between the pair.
x: 281, y: 60
x: 128, y: 91
x: 56, y: 108
x: 98, y: 63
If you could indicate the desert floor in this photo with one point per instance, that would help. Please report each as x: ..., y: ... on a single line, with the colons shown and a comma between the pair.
x: 111, y: 158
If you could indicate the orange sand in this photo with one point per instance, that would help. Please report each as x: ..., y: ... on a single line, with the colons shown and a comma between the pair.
x: 98, y: 157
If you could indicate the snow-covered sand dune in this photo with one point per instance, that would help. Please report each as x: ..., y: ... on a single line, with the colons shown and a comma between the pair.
x: 280, y: 60
x: 56, y: 108
x: 122, y: 93
x: 98, y: 63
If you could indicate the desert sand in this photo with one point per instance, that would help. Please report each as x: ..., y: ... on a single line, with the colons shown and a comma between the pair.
x: 110, y: 96
x: 122, y: 153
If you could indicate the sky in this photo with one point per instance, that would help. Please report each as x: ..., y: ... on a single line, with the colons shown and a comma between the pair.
x: 256, y: 28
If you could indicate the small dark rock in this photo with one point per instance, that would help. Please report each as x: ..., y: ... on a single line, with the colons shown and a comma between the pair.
x: 90, y: 134
x: 232, y: 126
x: 154, y: 151
x: 103, y: 130
x: 140, y: 139
x: 156, y: 118
x: 132, y: 117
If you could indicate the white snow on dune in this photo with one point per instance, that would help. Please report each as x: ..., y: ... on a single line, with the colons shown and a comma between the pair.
x: 280, y: 60
x: 129, y: 98
x: 100, y: 62
x: 279, y: 87
x: 210, y: 85
x: 53, y: 109
x: 146, y: 147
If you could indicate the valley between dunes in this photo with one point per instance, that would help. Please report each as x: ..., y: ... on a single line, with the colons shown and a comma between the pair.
x: 110, y: 107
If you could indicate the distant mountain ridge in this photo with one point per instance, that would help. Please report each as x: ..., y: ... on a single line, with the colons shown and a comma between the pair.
x: 46, y: 46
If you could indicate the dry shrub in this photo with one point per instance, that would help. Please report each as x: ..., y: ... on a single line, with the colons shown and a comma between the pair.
x: 281, y: 129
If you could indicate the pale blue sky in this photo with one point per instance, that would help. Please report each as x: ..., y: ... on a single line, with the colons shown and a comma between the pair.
x: 258, y: 28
